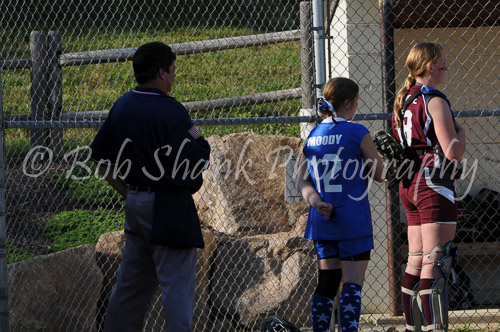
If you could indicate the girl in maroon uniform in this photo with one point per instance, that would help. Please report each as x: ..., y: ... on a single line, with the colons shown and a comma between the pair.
x: 428, y: 193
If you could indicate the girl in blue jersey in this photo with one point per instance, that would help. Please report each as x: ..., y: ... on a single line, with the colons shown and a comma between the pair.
x: 338, y: 161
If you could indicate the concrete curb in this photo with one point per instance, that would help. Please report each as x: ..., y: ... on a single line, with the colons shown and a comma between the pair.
x: 476, y: 318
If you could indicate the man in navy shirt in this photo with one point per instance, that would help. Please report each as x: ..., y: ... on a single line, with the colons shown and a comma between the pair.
x: 149, y: 150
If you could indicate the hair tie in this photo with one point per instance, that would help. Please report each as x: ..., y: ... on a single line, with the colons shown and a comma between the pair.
x: 410, y: 76
x: 322, y: 104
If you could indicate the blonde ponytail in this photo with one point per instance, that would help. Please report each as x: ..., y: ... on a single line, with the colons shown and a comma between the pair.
x: 400, y: 98
x: 420, y: 56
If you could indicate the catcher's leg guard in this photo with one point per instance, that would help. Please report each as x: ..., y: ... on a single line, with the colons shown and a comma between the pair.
x: 438, y: 294
x: 415, y: 314
x: 449, y: 260
x: 438, y: 302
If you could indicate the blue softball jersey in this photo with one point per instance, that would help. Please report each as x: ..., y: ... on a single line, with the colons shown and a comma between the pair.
x: 336, y: 166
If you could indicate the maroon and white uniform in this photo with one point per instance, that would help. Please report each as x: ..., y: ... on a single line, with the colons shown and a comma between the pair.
x: 428, y: 195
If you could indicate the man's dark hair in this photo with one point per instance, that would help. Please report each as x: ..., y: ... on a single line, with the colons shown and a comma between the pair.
x: 149, y: 58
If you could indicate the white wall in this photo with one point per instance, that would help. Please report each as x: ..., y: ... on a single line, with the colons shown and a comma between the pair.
x: 356, y: 54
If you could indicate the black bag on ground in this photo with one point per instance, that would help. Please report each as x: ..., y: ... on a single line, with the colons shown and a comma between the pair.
x: 460, y: 296
x: 277, y: 324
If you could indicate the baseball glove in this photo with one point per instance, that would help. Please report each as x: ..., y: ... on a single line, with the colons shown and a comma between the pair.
x: 388, y: 148
x: 392, y: 154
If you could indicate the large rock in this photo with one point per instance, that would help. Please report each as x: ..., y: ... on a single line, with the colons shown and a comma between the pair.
x: 109, y: 255
x: 259, y: 276
x: 52, y: 292
x: 244, y: 188
x: 108, y: 258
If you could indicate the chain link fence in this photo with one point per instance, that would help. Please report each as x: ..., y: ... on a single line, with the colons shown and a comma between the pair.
x: 245, y: 72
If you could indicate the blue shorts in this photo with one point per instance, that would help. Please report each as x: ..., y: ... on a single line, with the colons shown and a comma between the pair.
x: 343, y: 248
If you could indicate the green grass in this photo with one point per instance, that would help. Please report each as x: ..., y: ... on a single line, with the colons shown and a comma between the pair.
x: 17, y: 142
x: 17, y: 254
x: 70, y: 229
x: 88, y: 187
x: 203, y: 76
x: 123, y: 15
x: 206, y: 76
x: 73, y: 228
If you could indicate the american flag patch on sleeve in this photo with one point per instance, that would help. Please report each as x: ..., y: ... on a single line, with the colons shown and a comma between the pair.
x: 194, y: 132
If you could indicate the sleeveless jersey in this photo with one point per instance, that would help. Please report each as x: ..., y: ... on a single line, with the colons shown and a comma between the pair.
x: 418, y: 127
x: 336, y: 165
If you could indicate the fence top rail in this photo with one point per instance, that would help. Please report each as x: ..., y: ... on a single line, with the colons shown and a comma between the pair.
x: 15, y: 64
x: 191, y: 106
x: 125, y: 54
x: 229, y: 121
x: 198, y: 122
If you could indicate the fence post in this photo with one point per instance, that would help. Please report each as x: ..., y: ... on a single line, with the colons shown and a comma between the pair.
x: 319, y: 45
x: 38, y: 41
x: 54, y: 91
x: 4, y: 312
x: 306, y: 65
x: 394, y: 228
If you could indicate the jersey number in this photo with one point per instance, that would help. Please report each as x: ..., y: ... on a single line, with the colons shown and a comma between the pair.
x: 330, y: 173
x: 407, y: 126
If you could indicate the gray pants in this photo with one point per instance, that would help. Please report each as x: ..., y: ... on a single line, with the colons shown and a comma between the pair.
x: 144, y: 266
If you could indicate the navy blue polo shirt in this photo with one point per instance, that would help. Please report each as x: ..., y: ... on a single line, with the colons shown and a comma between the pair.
x: 149, y: 137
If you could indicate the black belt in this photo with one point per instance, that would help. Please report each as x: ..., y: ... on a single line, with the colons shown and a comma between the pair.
x: 421, y: 152
x: 141, y: 188
x: 167, y: 190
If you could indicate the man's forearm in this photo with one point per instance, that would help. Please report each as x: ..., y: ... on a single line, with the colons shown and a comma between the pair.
x: 117, y: 183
